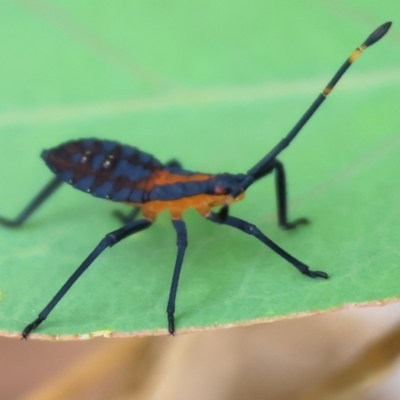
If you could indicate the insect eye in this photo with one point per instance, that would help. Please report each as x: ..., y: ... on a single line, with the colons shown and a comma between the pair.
x: 219, y: 190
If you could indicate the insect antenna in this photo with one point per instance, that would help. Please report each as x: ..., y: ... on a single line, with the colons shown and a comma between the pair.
x: 263, y: 165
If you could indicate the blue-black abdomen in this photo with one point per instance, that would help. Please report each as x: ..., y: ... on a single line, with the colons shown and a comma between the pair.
x: 103, y: 168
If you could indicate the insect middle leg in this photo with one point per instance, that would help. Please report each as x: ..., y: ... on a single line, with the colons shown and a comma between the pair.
x: 37, y: 201
x: 109, y: 240
x: 125, y: 218
x: 181, y: 242
x: 251, y: 229
x: 281, y: 195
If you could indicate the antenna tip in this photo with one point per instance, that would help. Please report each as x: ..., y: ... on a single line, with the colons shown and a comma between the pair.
x: 378, y: 33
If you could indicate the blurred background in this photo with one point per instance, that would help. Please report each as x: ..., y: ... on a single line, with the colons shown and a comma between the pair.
x: 216, y: 84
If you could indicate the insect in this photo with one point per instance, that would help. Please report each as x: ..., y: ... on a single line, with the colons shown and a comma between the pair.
x: 121, y: 173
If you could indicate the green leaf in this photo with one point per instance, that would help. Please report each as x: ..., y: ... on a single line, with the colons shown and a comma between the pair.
x: 216, y: 85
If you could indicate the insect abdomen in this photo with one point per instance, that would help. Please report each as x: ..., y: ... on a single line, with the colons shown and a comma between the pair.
x: 103, y: 168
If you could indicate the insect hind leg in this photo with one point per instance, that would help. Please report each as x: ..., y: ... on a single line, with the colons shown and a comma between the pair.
x: 281, y: 195
x: 109, y: 240
x: 37, y: 201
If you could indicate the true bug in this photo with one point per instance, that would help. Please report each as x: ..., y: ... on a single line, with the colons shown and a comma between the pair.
x: 122, y: 173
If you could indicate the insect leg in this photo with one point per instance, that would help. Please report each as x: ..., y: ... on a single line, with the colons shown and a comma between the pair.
x: 109, y: 240
x: 174, y: 163
x: 40, y: 198
x: 251, y: 229
x: 181, y: 242
x: 281, y: 198
x: 281, y: 195
x: 125, y: 218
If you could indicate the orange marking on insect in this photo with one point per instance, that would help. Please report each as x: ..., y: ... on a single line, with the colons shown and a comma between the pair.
x: 161, y: 177
x: 326, y: 91
x: 201, y: 202
x: 356, y: 53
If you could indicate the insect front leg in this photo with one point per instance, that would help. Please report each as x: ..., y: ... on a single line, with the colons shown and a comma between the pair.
x: 281, y: 198
x: 281, y: 195
x: 251, y: 229
x: 38, y: 200
x: 109, y: 240
x: 181, y: 242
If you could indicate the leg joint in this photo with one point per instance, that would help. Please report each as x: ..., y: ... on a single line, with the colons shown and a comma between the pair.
x: 110, y: 239
x: 252, y: 229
